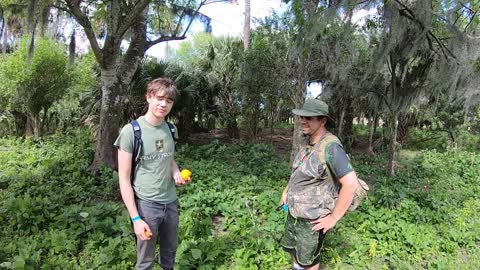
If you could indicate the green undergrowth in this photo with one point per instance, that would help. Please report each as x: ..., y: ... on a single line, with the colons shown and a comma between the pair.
x: 56, y: 215
x: 431, y: 139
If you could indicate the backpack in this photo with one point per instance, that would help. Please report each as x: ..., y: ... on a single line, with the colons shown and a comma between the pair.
x: 362, y: 189
x: 137, y: 143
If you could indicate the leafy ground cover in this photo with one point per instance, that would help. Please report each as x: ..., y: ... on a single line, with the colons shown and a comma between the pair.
x: 56, y: 215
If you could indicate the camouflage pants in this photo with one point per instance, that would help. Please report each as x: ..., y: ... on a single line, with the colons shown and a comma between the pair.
x: 303, y: 243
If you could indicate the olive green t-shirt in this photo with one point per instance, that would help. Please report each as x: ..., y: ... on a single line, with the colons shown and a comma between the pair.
x: 153, y: 177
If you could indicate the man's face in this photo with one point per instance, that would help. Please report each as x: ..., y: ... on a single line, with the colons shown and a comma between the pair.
x: 312, y: 124
x: 159, y: 104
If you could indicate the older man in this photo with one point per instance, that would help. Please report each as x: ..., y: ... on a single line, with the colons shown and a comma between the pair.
x: 321, y: 187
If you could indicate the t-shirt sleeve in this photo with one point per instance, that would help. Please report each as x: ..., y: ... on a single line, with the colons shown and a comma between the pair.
x: 125, y: 139
x: 337, y: 160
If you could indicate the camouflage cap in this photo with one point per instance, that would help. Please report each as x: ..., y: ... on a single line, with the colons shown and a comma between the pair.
x: 314, y: 107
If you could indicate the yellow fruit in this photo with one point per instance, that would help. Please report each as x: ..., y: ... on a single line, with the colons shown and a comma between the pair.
x: 185, y: 174
x: 148, y: 234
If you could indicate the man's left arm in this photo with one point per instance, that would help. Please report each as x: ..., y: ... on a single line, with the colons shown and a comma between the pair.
x: 349, y: 184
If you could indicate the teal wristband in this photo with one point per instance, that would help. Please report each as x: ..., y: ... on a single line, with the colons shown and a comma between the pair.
x: 135, y: 218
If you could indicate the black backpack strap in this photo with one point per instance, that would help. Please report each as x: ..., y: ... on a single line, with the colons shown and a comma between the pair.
x: 137, y: 146
x: 172, y: 131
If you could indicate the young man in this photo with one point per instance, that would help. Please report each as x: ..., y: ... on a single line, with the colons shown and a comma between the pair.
x: 151, y: 197
x: 320, y: 189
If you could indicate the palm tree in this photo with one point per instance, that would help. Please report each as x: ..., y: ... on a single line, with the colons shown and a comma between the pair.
x: 223, y: 76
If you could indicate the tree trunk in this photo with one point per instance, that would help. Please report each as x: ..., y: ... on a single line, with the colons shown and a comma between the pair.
x: 246, y: 26
x: 32, y: 5
x: 466, y: 108
x: 116, y: 76
x: 393, y: 144
x: 405, y: 122
x: 253, y: 125
x: 29, y: 126
x: 54, y: 26
x: 347, y: 125
x: 371, y: 133
x: 110, y: 115
x: 33, y: 125
x: 272, y: 122
x: 31, y: 47
x: 297, y: 139
x: 20, y: 120
x: 451, y: 135
x: 232, y: 129
x: 3, y: 22
x: 167, y: 51
x: 340, y: 123
x: 5, y: 40
x: 31, y: 25
x: 47, y: 126
x: 377, y: 120
x: 37, y: 126
x: 71, y: 49
x: 44, y: 21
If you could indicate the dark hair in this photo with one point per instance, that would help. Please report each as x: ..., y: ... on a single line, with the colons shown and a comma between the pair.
x: 165, y: 85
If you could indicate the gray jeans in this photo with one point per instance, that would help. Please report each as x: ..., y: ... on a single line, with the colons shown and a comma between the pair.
x: 163, y: 222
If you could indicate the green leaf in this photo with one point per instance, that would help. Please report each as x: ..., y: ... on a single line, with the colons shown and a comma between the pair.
x: 196, y: 254
x: 19, y: 263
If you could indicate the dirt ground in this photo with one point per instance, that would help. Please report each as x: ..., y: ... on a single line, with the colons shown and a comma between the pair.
x: 281, y: 139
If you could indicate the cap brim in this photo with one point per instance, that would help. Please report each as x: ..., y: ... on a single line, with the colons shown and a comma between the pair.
x: 300, y: 112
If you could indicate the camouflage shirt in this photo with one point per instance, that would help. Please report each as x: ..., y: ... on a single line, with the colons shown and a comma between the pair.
x: 310, y: 193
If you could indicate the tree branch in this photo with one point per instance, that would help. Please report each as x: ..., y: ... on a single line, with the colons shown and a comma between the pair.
x: 83, y: 20
x: 208, y: 2
x: 382, y: 97
x: 130, y: 19
x: 181, y: 18
x: 193, y: 18
x: 163, y: 39
x: 466, y: 7
x: 113, y: 19
x: 64, y: 9
x: 411, y: 15
x: 183, y: 36
x: 470, y: 22
x: 2, y: 20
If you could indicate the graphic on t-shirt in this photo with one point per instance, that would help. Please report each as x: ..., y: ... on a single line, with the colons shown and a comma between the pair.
x: 159, y: 145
